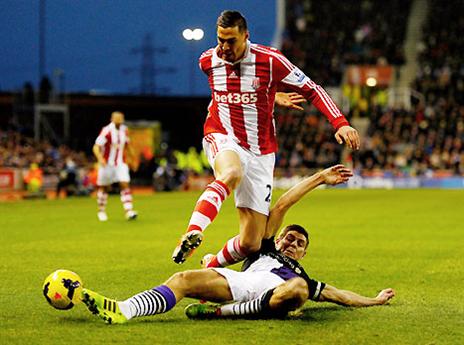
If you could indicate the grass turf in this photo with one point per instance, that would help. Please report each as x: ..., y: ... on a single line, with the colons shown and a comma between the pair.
x: 362, y: 240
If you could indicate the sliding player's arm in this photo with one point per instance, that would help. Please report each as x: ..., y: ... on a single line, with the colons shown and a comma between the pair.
x: 332, y: 176
x: 352, y: 299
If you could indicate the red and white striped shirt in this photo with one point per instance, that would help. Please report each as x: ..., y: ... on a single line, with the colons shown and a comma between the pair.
x: 112, y: 142
x: 243, y: 93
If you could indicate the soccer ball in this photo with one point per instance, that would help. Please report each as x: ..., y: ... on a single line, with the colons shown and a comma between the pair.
x: 62, y: 289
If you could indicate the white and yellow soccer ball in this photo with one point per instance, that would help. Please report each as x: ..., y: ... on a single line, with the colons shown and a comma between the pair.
x: 62, y: 289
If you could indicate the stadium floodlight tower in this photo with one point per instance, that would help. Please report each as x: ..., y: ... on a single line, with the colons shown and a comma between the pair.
x: 192, y: 35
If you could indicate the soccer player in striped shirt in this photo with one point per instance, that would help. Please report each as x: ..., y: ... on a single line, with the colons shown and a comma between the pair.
x: 239, y: 132
x: 110, y: 149
x: 272, y: 284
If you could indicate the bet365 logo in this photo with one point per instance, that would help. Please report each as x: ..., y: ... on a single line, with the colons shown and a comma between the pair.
x: 236, y: 98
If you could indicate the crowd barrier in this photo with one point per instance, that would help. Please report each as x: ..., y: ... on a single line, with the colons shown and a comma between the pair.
x: 359, y: 182
x: 406, y: 182
x: 10, y: 179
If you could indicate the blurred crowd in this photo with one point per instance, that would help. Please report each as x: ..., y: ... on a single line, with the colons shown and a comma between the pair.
x: 69, y: 172
x: 407, y: 143
x: 46, y: 165
x: 19, y: 151
x: 322, y: 37
x: 441, y: 76
x: 426, y: 140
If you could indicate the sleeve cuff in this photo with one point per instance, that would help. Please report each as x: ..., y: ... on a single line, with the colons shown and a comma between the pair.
x: 340, y: 122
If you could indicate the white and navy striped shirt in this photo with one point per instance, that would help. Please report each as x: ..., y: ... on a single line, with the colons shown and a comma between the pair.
x: 269, y: 259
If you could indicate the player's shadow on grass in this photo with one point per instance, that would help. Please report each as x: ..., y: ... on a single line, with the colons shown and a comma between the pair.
x: 314, y: 314
x: 321, y: 313
x: 326, y: 313
x: 74, y: 319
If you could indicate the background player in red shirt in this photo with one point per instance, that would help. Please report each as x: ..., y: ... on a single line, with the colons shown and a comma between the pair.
x: 240, y: 138
x: 110, y: 150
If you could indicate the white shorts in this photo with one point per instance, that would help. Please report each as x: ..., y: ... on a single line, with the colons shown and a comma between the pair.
x: 110, y: 174
x: 246, y: 286
x: 255, y: 189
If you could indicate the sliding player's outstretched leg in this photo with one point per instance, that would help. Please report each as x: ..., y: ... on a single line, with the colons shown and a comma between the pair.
x: 157, y: 300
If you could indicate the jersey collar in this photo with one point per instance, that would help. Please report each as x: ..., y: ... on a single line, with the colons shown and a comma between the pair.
x: 113, y: 126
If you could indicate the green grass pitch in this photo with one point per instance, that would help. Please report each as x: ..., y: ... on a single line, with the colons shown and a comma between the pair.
x: 362, y: 240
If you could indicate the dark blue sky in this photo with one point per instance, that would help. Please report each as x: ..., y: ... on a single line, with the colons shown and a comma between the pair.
x: 91, y: 40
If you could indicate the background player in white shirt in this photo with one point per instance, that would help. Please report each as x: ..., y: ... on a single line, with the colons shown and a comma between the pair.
x: 111, y: 149
x: 239, y: 132
x: 273, y: 284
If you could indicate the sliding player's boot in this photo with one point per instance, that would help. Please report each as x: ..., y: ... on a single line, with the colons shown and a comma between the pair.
x: 203, y: 311
x: 105, y: 308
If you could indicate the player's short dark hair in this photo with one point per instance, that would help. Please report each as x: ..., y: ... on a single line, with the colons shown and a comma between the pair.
x: 297, y: 228
x: 230, y: 19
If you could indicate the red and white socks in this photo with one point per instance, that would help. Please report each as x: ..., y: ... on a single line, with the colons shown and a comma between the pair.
x: 208, y: 205
x: 102, y: 199
x: 229, y: 255
x: 126, y: 199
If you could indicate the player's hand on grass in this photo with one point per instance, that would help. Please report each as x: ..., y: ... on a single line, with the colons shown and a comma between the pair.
x: 349, y: 136
x: 290, y: 100
x: 385, y: 295
x: 336, y: 174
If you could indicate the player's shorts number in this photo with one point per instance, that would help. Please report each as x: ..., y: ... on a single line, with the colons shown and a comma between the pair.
x: 268, y: 197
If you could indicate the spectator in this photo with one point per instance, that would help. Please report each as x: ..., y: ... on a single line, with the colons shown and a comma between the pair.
x: 33, y: 179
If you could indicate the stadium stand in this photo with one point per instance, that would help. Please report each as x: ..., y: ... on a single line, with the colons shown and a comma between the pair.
x: 425, y: 140
x: 74, y: 171
x: 20, y: 152
x: 323, y: 37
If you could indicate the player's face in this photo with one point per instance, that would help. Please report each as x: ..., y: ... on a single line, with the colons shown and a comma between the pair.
x: 117, y: 118
x: 293, y: 245
x: 232, y: 43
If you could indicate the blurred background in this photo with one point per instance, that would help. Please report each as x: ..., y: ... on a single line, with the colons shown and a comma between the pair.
x: 395, y: 69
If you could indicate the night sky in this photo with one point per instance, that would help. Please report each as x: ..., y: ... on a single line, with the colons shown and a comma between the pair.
x: 91, y: 41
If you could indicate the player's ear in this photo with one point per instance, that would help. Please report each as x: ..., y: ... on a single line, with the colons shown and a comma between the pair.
x: 247, y: 34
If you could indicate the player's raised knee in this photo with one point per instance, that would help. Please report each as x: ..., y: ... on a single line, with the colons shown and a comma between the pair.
x: 231, y: 176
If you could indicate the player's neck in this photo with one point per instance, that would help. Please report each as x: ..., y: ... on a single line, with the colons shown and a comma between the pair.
x: 242, y: 56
